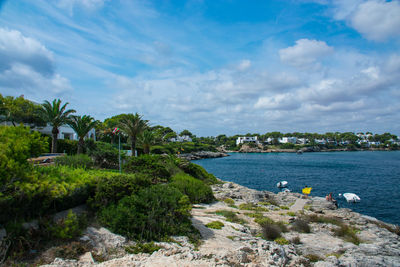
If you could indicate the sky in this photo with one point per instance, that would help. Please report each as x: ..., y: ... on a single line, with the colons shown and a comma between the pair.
x: 210, y: 66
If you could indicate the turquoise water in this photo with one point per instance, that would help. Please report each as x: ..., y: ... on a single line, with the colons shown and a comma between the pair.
x: 373, y: 176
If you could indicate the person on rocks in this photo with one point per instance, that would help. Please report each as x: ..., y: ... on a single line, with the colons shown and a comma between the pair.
x: 331, y: 199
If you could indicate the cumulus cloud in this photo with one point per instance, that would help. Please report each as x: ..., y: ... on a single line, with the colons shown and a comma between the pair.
x: 376, y: 20
x: 305, y: 53
x: 27, y: 67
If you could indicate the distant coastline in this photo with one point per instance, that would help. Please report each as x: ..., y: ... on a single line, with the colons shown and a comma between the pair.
x: 305, y: 150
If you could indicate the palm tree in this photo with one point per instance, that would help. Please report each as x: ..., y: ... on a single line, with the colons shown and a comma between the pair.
x: 56, y: 115
x: 81, y: 125
x: 147, y: 139
x: 133, y: 125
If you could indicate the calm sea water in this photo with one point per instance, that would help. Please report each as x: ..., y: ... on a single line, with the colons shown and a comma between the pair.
x: 373, y: 176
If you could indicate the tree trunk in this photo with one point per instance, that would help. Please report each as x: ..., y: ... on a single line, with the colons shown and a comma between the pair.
x: 54, y: 131
x: 81, y: 143
x: 133, y: 146
x: 146, y: 149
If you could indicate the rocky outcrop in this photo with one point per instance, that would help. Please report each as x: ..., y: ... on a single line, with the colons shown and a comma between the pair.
x: 202, y: 155
x: 239, y: 243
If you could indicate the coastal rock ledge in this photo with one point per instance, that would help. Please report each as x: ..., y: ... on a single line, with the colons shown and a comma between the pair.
x: 335, y: 237
x: 202, y: 155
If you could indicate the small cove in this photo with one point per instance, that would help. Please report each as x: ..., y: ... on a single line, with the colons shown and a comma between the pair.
x: 374, y: 176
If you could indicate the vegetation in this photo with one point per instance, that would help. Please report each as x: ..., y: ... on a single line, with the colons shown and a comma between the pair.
x: 281, y: 241
x: 313, y: 257
x: 142, y: 248
x: 56, y: 115
x: 215, y: 225
x: 301, y: 226
x: 133, y: 125
x: 196, y: 190
x: 81, y: 125
x: 152, y: 213
x: 76, y: 161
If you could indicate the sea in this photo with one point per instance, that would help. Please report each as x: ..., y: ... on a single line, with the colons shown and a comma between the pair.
x: 373, y: 175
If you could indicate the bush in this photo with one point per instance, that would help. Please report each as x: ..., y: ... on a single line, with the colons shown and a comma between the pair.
x: 348, y: 233
x: 69, y: 228
x: 76, y: 161
x: 296, y: 240
x: 270, y: 231
x: 313, y: 257
x: 301, y: 226
x: 155, y: 212
x: 196, y: 190
x: 281, y: 241
x: 105, y: 155
x: 69, y: 147
x: 215, y: 225
x: 197, y: 172
x: 149, y: 164
x: 17, y: 144
x: 161, y: 150
x: 142, y: 248
x: 110, y: 189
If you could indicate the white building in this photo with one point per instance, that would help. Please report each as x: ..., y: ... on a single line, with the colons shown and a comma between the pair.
x: 285, y: 140
x: 183, y: 138
x: 320, y: 141
x: 302, y: 141
x: 246, y: 139
x: 65, y: 132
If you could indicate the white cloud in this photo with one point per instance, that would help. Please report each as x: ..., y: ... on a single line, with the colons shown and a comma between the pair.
x: 305, y: 53
x: 376, y: 20
x: 27, y: 67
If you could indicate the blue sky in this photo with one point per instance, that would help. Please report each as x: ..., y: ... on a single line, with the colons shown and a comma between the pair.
x: 213, y: 67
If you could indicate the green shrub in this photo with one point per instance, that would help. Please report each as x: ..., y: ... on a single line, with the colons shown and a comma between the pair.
x: 197, y: 172
x: 69, y: 228
x: 142, y: 248
x: 348, y: 233
x: 152, y: 165
x: 291, y: 213
x: 151, y: 214
x: 229, y: 201
x: 301, y: 226
x: 215, y: 225
x: 281, y: 241
x: 313, y: 257
x: 105, y: 155
x: 264, y: 220
x: 69, y: 147
x: 196, y: 190
x: 110, y: 189
x: 284, y: 207
x: 270, y: 231
x: 161, y: 150
x: 17, y: 144
x: 75, y: 161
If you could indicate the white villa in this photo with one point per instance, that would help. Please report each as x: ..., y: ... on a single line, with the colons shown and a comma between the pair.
x: 183, y: 138
x: 65, y: 132
x: 246, y: 139
x: 285, y: 140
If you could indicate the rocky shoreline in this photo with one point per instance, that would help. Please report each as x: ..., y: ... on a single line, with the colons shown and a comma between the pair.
x: 248, y: 149
x: 202, y: 155
x: 239, y: 242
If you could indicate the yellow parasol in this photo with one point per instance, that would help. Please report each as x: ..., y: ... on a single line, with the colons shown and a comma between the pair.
x: 306, y: 190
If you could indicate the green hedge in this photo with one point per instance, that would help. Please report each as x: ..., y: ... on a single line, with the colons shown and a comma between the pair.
x: 110, y: 189
x: 197, y: 172
x: 196, y: 190
x: 153, y: 165
x: 155, y: 212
